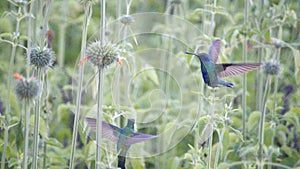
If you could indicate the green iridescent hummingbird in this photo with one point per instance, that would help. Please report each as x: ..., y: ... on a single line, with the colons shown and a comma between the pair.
x: 212, y: 72
x: 124, y: 137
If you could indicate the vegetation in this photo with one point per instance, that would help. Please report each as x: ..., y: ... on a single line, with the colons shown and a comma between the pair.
x: 65, y: 60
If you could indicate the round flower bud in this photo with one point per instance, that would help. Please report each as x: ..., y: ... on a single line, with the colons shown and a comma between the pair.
x: 277, y: 43
x: 41, y: 58
x: 102, y: 55
x: 126, y: 19
x: 271, y: 67
x: 27, y: 89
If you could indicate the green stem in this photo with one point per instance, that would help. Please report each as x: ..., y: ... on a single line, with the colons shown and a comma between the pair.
x: 275, y: 99
x: 62, y: 34
x: 99, y: 116
x: 87, y: 16
x: 100, y: 89
x: 244, y: 97
x: 204, y: 17
x: 260, y: 54
x: 44, y: 27
x: 262, y: 123
x: 212, y: 19
x: 46, y: 121
x: 27, y: 122
x: 118, y: 71
x: 212, y: 112
x: 4, y: 147
x: 45, y: 155
x: 37, y: 112
x: 61, y: 42
x: 30, y: 37
x: 9, y: 84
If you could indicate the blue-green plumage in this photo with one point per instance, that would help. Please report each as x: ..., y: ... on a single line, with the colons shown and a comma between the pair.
x: 212, y: 72
x: 124, y: 137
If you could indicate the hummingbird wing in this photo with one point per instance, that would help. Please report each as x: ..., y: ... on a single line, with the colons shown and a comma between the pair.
x: 232, y: 69
x: 109, y: 131
x: 139, y: 137
x: 214, y: 50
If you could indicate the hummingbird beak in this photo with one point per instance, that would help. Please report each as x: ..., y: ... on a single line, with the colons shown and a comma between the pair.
x: 191, y: 53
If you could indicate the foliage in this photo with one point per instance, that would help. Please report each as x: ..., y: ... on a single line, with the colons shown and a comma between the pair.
x: 158, y: 85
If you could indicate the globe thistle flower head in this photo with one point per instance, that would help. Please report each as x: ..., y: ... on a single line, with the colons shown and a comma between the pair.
x: 126, y: 19
x: 41, y: 58
x: 271, y: 67
x: 26, y: 88
x: 102, y: 55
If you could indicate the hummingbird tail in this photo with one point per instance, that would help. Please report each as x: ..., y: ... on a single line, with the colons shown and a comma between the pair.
x: 121, y: 162
x: 227, y: 84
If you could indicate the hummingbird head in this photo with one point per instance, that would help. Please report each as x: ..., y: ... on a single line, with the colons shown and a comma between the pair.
x: 130, y: 122
x: 203, y: 57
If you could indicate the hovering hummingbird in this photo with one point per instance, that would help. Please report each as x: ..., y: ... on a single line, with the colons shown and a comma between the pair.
x: 124, y: 137
x: 213, y: 72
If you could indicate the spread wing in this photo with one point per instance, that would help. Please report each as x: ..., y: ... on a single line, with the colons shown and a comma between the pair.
x: 232, y: 69
x: 109, y: 131
x: 139, y: 137
x: 214, y: 50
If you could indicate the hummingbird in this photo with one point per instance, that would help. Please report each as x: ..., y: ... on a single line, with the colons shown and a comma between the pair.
x: 212, y: 72
x: 124, y: 137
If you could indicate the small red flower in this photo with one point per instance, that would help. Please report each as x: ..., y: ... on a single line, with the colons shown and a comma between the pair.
x: 119, y: 61
x: 82, y: 61
x: 18, y: 76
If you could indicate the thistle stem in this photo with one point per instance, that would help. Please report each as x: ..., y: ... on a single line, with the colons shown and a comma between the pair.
x: 100, y: 90
x: 260, y: 54
x: 275, y: 97
x: 62, y: 34
x: 9, y: 84
x: 27, y: 122
x: 87, y: 16
x: 212, y: 19
x: 118, y: 70
x: 47, y: 122
x: 4, y: 147
x: 37, y: 112
x: 99, y: 116
x: 262, y: 123
x: 30, y: 37
x: 212, y: 112
x: 244, y: 97
x: 44, y: 27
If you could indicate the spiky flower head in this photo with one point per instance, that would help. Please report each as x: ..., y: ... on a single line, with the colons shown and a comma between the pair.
x: 26, y: 88
x: 41, y: 58
x: 102, y: 55
x: 126, y: 19
x: 271, y: 67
